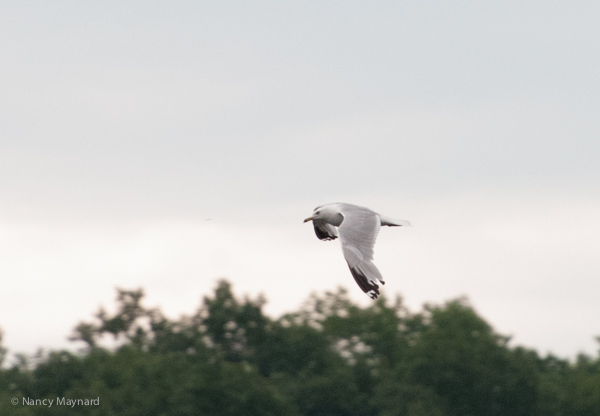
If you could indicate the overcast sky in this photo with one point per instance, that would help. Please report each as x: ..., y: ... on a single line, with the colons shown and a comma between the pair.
x: 165, y: 145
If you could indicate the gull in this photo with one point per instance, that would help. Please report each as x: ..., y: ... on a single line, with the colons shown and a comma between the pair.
x: 357, y: 228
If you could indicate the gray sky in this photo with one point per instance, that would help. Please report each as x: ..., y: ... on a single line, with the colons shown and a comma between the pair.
x: 125, y: 126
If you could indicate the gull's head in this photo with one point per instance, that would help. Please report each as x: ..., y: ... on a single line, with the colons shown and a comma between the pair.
x: 329, y: 213
x: 316, y: 215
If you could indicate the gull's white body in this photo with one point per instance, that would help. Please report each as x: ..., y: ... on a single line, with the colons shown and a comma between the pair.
x: 357, y: 227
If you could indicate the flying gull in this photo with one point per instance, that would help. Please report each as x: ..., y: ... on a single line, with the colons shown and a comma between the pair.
x: 357, y: 228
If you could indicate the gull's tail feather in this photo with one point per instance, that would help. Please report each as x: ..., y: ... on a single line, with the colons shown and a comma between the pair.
x: 390, y: 222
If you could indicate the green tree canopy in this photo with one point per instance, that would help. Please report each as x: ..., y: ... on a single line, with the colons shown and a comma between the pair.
x: 330, y: 357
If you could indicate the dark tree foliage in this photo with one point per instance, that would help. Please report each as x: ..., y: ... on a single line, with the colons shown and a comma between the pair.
x: 331, y: 357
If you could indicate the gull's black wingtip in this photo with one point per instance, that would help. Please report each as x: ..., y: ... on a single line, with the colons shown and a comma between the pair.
x: 371, y: 289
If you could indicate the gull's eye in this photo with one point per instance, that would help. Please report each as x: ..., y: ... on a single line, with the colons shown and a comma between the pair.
x: 318, y: 212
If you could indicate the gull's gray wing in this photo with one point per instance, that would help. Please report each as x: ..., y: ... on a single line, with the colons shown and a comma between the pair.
x: 324, y: 231
x: 358, y: 232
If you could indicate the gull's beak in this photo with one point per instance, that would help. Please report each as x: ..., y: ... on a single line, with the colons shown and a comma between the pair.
x: 309, y: 219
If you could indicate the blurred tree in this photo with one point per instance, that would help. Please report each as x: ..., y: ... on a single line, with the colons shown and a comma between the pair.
x: 2, y: 350
x: 331, y: 357
x: 469, y: 367
x: 237, y: 328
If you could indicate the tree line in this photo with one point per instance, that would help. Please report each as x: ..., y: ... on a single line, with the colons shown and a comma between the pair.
x: 330, y: 357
